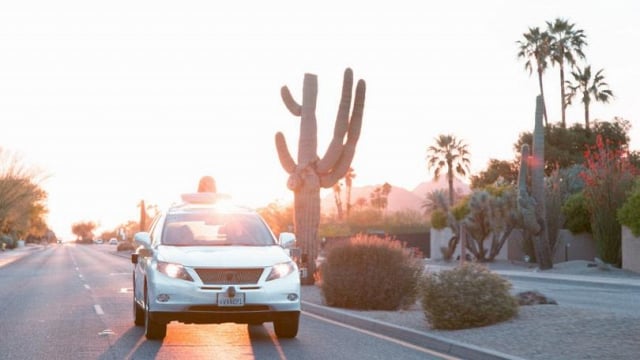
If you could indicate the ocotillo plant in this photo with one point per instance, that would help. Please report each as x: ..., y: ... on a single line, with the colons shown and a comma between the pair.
x: 531, y: 200
x: 310, y: 172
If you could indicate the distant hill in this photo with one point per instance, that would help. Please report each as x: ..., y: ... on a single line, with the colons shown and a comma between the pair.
x: 399, y: 197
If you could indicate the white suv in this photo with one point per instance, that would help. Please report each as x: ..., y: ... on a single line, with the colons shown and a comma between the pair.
x: 205, y: 261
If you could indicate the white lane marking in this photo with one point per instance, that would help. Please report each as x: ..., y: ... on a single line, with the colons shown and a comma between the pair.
x: 86, y: 286
x: 98, y: 309
x: 125, y: 290
x: 80, y: 276
x: 77, y: 268
x: 383, y: 337
x: 106, y: 332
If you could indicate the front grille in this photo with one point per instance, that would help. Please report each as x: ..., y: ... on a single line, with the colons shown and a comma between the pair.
x: 229, y: 276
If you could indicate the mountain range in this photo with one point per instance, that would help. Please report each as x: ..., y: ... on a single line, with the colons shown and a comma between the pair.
x: 399, y: 198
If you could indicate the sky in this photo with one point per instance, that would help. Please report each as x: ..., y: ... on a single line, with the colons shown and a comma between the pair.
x: 119, y: 101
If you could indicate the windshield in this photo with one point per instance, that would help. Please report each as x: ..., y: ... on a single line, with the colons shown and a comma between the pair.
x: 207, y: 228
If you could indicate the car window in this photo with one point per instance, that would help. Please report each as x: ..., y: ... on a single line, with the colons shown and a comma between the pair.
x: 156, y: 230
x: 213, y: 229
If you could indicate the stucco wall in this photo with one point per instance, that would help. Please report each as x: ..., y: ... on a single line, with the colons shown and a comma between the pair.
x: 630, y: 250
x: 440, y: 238
x: 580, y: 246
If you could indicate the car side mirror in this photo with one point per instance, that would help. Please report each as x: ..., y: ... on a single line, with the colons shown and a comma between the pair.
x: 287, y: 240
x: 142, y: 238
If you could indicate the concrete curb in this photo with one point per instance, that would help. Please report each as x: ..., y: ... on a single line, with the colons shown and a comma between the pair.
x: 418, y: 338
x: 579, y: 279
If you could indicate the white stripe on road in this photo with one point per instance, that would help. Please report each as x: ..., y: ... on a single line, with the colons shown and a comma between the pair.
x: 98, y: 309
x: 87, y: 286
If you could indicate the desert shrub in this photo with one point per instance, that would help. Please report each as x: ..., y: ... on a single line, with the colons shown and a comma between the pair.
x: 576, y: 213
x: 7, y: 242
x: 628, y: 213
x: 465, y: 297
x: 125, y: 246
x: 370, y: 273
x: 438, y: 219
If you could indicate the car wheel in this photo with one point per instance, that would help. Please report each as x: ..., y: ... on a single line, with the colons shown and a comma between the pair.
x: 138, y: 314
x: 286, y: 325
x: 153, y: 330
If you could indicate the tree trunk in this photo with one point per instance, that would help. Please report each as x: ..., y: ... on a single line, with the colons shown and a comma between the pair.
x: 586, y: 116
x: 563, y: 106
x: 544, y: 106
x: 450, y: 182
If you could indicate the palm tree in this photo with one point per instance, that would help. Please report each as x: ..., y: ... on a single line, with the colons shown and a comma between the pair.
x: 348, y: 180
x: 434, y: 200
x: 535, y: 48
x: 337, y: 190
x: 448, y: 154
x: 566, y: 45
x: 591, y: 88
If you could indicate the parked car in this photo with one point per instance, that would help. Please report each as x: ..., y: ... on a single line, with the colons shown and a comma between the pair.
x: 206, y: 261
x: 113, y: 241
x: 97, y: 241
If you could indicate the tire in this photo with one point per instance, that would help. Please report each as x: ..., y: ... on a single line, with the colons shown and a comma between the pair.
x: 138, y: 314
x: 286, y: 325
x: 152, y: 330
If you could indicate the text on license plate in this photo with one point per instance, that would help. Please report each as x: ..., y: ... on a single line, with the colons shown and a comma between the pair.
x: 225, y: 300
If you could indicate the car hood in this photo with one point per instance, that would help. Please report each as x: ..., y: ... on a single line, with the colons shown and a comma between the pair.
x: 223, y: 256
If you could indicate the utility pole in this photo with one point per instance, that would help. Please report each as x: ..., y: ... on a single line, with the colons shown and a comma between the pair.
x: 143, y: 216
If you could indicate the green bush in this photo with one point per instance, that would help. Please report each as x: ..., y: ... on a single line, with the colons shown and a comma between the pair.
x: 7, y: 242
x: 438, y: 219
x: 629, y: 213
x: 465, y: 297
x: 370, y: 273
x: 576, y: 213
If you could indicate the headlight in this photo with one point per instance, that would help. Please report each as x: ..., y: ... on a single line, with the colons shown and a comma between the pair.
x: 173, y: 270
x: 281, y: 270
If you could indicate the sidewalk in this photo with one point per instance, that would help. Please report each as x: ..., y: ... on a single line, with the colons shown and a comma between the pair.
x: 573, y: 271
x: 538, y: 332
x: 9, y: 256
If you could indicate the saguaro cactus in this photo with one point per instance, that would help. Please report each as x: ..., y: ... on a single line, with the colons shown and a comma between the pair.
x: 310, y: 172
x: 532, y: 203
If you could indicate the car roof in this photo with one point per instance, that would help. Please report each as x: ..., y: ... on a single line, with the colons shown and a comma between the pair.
x: 208, y: 202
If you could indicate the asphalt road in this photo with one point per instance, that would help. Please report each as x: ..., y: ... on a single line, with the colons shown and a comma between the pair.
x: 74, y: 302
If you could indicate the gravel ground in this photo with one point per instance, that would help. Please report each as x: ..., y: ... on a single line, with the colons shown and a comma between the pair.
x: 539, y: 331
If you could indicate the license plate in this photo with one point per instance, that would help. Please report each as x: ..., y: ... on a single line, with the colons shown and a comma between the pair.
x: 236, y: 300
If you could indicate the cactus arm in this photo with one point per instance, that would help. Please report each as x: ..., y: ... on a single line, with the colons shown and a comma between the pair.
x: 340, y: 170
x: 526, y: 203
x: 348, y: 151
x: 341, y: 126
x: 537, y: 168
x: 308, y: 141
x: 291, y: 104
x: 287, y: 162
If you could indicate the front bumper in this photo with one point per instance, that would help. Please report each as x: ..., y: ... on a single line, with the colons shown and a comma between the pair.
x: 189, y: 302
